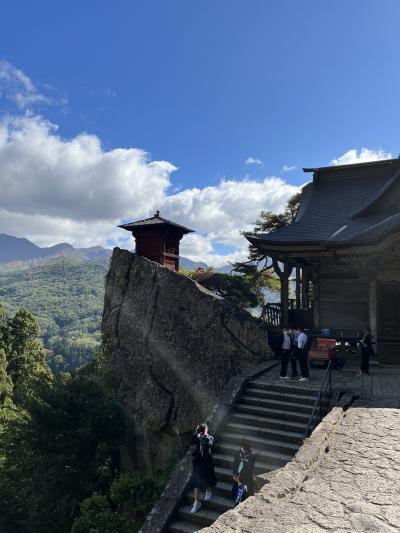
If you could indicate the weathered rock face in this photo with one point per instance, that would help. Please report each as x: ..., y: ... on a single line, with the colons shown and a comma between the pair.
x: 172, y: 348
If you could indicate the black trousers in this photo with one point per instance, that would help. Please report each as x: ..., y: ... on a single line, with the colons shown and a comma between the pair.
x: 365, y: 355
x: 302, y: 357
x: 286, y: 356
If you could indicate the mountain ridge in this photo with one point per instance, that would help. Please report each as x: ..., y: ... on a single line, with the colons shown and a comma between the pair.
x: 21, y: 250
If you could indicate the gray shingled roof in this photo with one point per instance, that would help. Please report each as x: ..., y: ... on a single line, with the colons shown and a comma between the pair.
x: 331, y: 210
x: 154, y: 221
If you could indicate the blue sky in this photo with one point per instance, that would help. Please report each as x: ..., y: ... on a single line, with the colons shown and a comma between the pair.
x: 204, y: 86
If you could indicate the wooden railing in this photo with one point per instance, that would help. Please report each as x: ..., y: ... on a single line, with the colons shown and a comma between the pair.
x: 271, y: 314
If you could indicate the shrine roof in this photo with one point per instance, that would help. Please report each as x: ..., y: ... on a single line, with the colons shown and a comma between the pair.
x: 154, y: 221
x: 343, y: 205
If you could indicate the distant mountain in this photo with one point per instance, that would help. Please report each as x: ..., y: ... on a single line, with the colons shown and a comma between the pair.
x: 16, y: 249
x: 188, y: 264
x: 19, y: 249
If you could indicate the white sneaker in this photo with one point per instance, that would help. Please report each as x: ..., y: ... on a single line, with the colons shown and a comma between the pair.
x: 196, y: 507
x: 303, y: 379
x: 284, y: 377
x: 208, y: 495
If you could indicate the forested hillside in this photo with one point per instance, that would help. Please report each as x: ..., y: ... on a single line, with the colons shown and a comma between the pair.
x: 60, y: 437
x: 67, y: 299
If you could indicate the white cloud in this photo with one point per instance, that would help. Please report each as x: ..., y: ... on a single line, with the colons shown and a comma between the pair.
x: 361, y: 156
x: 253, y: 161
x: 288, y: 168
x: 72, y: 190
x: 224, y: 210
x: 43, y: 174
x: 18, y: 88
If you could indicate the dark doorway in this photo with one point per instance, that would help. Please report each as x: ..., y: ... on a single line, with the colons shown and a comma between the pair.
x: 389, y: 322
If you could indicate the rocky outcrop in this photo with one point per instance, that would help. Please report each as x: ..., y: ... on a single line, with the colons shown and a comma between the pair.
x: 172, y: 347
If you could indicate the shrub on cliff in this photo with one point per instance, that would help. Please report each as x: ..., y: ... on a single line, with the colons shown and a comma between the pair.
x: 96, y: 516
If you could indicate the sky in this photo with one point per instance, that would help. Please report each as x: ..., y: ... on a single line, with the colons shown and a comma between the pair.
x: 206, y: 110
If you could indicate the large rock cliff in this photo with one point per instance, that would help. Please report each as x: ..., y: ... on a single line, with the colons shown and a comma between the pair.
x: 172, y: 347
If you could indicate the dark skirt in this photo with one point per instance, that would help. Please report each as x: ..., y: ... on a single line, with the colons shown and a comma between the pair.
x: 203, y: 475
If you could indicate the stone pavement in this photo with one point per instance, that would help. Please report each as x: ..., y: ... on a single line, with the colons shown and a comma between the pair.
x: 345, y: 478
x: 383, y: 381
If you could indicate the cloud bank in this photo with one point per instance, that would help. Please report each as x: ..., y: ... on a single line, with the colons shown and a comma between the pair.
x: 73, y: 190
x: 361, y: 156
x: 56, y: 189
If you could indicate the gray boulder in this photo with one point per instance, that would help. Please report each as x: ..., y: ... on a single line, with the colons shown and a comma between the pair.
x: 172, y: 347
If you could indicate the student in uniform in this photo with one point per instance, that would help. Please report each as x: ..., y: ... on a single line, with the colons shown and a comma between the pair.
x: 203, y: 478
x: 243, y: 472
x: 286, y: 352
x: 293, y: 353
x: 302, y: 341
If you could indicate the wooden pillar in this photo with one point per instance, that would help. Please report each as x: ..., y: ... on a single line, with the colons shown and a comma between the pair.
x: 316, y: 297
x: 284, y: 282
x: 305, y: 288
x: 284, y: 277
x: 298, y: 288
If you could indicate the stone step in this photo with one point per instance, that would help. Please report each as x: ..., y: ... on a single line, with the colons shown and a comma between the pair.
x: 226, y: 461
x: 276, y: 404
x: 263, y: 456
x: 248, y: 430
x: 280, y: 414
x: 203, y: 517
x: 218, y: 503
x: 224, y: 488
x: 258, y: 443
x: 267, y: 422
x: 289, y: 388
x: 272, y: 417
x: 280, y: 395
x: 223, y: 473
x: 181, y: 526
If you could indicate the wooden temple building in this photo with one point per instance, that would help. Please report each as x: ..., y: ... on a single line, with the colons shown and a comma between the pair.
x: 158, y: 239
x: 343, y: 249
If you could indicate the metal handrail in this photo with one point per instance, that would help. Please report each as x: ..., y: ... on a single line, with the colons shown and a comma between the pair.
x: 326, y: 383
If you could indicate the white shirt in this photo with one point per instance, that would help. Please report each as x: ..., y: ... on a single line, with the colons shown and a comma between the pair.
x: 286, y: 341
x: 294, y: 336
x: 302, y: 340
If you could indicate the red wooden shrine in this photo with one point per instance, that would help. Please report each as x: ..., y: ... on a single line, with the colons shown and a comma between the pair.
x: 158, y: 239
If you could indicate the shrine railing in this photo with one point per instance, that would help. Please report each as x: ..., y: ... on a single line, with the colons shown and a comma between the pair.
x: 271, y: 313
x: 322, y: 402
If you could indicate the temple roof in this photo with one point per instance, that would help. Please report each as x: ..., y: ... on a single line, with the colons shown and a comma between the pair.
x: 343, y: 205
x: 154, y: 221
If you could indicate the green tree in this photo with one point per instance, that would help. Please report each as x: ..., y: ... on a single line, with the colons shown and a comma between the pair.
x: 58, y: 452
x: 266, y: 223
x: 234, y: 288
x: 27, y: 366
x: 256, y: 270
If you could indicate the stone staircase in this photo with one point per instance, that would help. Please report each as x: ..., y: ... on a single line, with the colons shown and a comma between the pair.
x: 273, y: 417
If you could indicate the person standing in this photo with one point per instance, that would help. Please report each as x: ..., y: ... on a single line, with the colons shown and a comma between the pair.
x: 203, y: 478
x: 366, y: 350
x: 243, y: 472
x: 293, y: 350
x: 286, y: 350
x: 302, y: 341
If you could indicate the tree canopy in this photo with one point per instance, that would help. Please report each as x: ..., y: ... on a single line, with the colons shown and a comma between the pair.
x: 59, y: 444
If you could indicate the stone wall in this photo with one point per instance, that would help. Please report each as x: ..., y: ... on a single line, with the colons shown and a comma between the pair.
x: 172, y: 347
